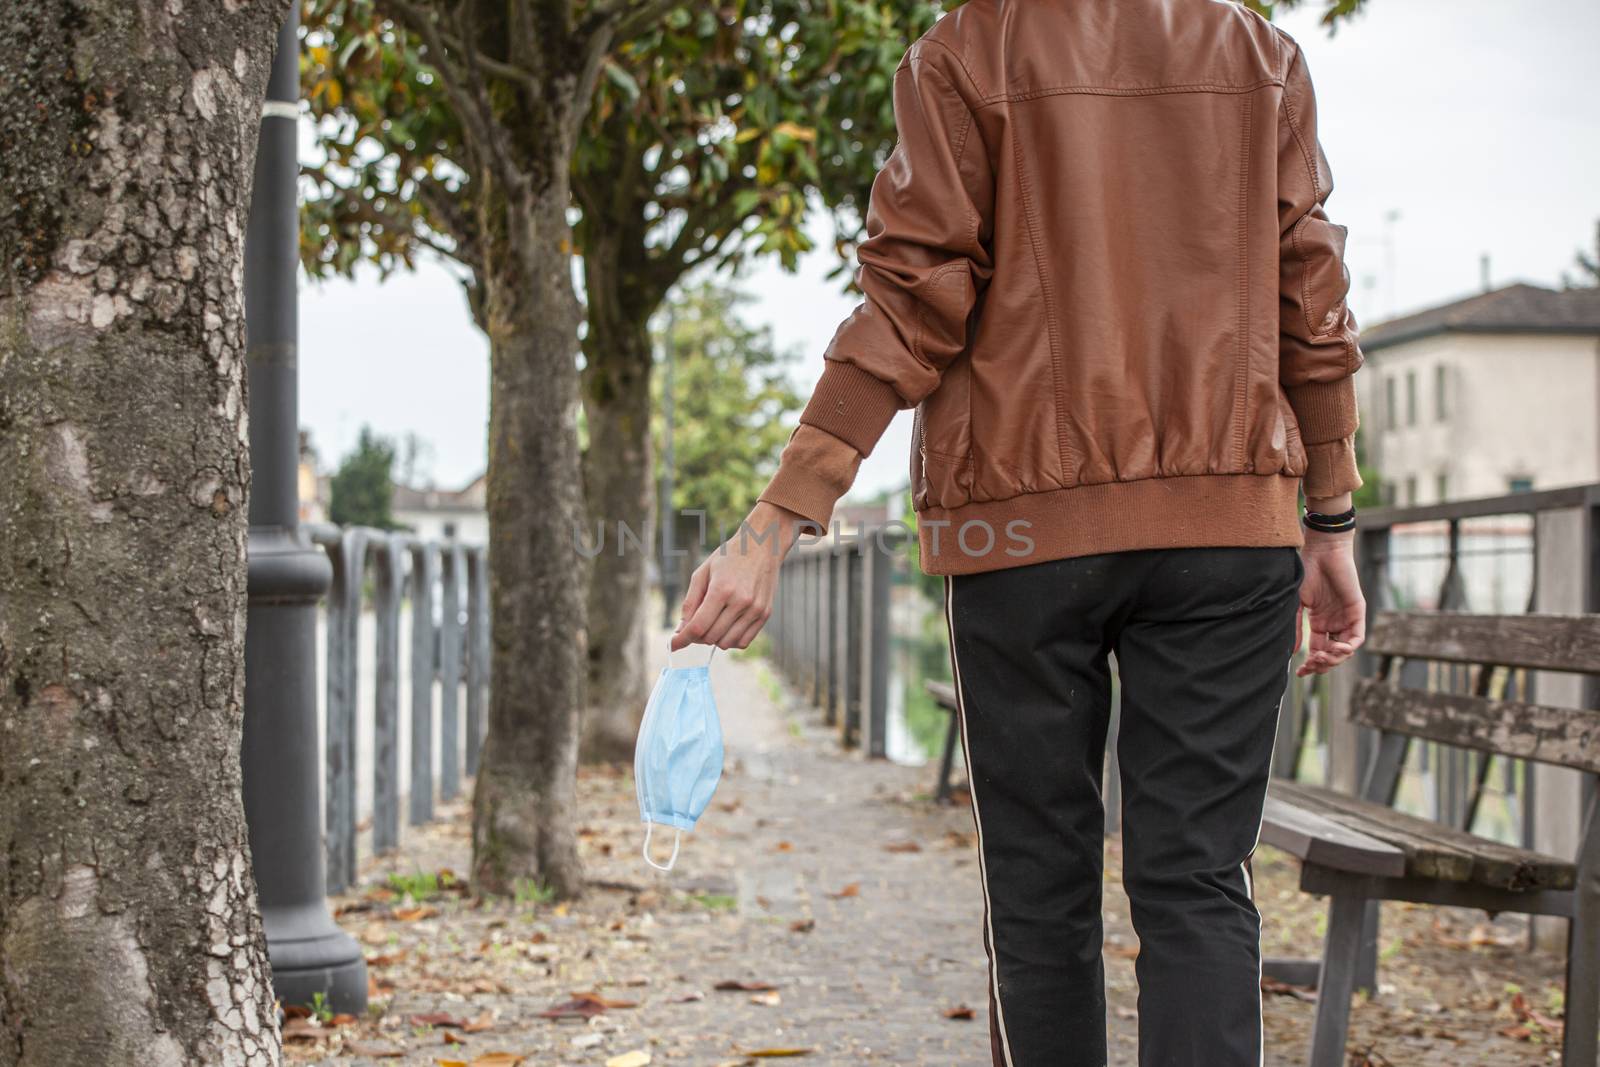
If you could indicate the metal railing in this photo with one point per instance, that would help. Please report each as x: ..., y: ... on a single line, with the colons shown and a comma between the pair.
x: 447, y: 586
x: 830, y: 630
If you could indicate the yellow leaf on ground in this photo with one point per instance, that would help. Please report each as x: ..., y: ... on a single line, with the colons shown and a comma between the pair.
x: 637, y: 1058
x: 499, y: 1059
x: 773, y: 1053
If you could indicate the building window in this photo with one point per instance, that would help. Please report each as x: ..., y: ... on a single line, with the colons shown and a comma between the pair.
x: 1391, y: 417
x: 1411, y: 398
x: 1411, y: 489
x: 1441, y: 401
x: 1519, y: 485
x: 1441, y: 487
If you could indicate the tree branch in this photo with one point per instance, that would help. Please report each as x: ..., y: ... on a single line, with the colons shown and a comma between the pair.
x: 627, y: 18
x: 477, y: 119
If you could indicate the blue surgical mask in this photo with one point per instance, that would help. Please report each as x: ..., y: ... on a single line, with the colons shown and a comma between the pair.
x: 678, y: 759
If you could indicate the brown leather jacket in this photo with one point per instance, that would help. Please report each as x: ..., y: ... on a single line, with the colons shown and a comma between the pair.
x: 1099, y: 268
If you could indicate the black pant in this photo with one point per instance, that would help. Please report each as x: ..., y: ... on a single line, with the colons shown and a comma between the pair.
x: 1203, y: 639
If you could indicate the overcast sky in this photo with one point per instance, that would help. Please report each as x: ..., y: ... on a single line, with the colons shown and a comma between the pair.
x: 1477, y: 121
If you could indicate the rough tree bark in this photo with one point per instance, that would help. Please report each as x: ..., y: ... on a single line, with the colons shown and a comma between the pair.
x: 524, y: 808
x: 128, y: 926
x: 619, y: 486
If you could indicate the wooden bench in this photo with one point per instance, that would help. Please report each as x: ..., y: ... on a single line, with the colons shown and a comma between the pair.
x: 944, y: 695
x: 1359, y: 851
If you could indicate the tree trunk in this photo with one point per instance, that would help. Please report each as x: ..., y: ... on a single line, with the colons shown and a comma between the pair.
x: 618, y: 483
x: 128, y: 926
x: 524, y: 808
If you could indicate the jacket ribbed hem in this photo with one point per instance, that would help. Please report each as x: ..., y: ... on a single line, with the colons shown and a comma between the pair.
x: 1196, y: 511
x: 852, y: 405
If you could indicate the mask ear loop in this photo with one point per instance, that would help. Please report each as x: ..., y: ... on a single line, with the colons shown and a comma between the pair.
x: 677, y: 839
x: 708, y: 658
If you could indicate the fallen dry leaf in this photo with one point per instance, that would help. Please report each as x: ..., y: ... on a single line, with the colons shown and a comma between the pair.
x: 851, y: 890
x: 450, y: 1037
x: 573, y: 1009
x: 605, y: 1002
x: 775, y: 1053
x: 734, y: 986
x: 438, y: 1019
x: 303, y: 1030
x: 484, y: 1021
x: 637, y: 1058
x: 1284, y: 989
x: 961, y: 1013
x: 785, y: 846
x: 411, y: 915
x: 903, y: 846
x: 803, y: 926
x: 498, y: 1059
x: 768, y: 1000
x: 585, y: 1006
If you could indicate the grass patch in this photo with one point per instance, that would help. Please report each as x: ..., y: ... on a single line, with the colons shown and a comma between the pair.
x: 421, y: 885
x: 532, y: 891
x: 716, y: 901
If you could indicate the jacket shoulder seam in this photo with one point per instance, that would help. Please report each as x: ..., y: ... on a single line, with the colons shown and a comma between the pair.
x: 961, y: 61
x: 1294, y: 128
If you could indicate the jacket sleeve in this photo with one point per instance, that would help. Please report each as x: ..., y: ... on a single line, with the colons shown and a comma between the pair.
x: 1318, y: 349
x: 924, y: 263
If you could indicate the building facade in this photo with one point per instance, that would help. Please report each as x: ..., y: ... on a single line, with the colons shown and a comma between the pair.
x: 1494, y: 394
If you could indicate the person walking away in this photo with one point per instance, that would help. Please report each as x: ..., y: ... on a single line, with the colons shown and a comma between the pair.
x: 1099, y: 267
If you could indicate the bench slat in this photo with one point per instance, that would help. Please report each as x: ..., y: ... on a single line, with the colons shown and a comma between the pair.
x: 1566, y: 737
x: 1315, y: 838
x: 1432, y: 849
x: 1536, y: 642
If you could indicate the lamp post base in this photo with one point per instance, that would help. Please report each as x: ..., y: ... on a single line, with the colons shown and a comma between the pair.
x: 311, y: 955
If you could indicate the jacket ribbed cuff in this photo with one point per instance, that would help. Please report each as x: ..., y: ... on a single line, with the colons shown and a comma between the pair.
x: 852, y: 405
x: 1326, y: 411
x: 1331, y: 469
x: 816, y: 469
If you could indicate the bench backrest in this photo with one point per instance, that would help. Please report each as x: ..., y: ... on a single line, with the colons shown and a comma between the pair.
x: 1568, y: 737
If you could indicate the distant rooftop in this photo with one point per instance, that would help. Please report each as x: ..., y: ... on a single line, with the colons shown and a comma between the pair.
x: 470, y: 498
x: 1513, y: 309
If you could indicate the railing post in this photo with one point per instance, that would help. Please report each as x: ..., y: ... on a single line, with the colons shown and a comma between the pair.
x: 344, y: 678
x: 877, y: 559
x: 1564, y: 542
x: 839, y: 651
x: 816, y: 684
x: 453, y: 566
x: 386, y: 704
x: 477, y: 651
x: 424, y: 572
x: 1350, y: 746
x: 855, y: 643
